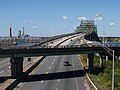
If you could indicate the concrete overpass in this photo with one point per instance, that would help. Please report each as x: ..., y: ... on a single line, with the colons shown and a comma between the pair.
x: 63, y: 50
x: 17, y: 55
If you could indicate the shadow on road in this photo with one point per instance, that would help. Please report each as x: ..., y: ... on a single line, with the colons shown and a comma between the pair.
x: 4, y: 78
x: 53, y: 76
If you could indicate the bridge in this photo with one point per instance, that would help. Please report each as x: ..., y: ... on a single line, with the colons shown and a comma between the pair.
x: 16, y: 54
x: 60, y: 50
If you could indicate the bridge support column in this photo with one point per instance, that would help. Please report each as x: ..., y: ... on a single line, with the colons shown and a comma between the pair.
x: 101, y: 61
x: 16, y: 66
x: 90, y: 61
x: 106, y: 58
x: 119, y: 57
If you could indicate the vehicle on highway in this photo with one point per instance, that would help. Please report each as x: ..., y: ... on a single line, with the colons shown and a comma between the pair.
x: 66, y: 63
x: 87, y: 43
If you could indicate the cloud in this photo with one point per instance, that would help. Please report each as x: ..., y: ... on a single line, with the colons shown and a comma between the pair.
x: 34, y: 27
x: 82, y: 18
x: 64, y: 18
x: 112, y: 24
x: 99, y: 17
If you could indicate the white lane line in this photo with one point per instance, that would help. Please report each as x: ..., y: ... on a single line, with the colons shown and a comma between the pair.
x: 1, y: 71
x: 49, y: 67
x: 42, y: 81
x: 52, y: 62
x: 46, y: 72
x: 75, y: 78
x: 61, y: 66
x: 56, y: 89
x: 58, y: 80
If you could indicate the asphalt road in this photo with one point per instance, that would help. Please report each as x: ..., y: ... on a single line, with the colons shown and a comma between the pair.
x: 4, y: 67
x: 51, y: 74
x: 5, y: 72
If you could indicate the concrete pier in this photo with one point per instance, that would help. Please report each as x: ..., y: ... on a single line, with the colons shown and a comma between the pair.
x: 16, y: 66
x: 90, y: 61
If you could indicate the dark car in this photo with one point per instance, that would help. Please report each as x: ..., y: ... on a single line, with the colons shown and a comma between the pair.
x: 66, y: 63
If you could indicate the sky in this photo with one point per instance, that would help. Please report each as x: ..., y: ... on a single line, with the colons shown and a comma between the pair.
x: 53, y: 17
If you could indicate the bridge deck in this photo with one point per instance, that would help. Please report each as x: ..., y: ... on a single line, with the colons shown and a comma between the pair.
x: 54, y: 51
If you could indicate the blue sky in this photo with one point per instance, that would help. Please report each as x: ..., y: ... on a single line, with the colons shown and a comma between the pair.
x: 52, y: 17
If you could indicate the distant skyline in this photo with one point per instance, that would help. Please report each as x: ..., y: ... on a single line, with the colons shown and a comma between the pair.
x: 53, y: 17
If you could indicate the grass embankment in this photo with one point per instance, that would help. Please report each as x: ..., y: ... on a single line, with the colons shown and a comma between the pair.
x: 102, y: 78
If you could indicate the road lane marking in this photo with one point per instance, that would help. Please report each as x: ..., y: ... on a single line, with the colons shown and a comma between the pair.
x: 49, y: 67
x: 61, y: 66
x: 52, y: 62
x: 58, y: 80
x: 42, y: 81
x: 46, y: 72
x: 1, y: 71
x: 56, y: 89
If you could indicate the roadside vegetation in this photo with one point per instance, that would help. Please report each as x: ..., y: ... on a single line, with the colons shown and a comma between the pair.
x: 111, y: 39
x: 102, y: 77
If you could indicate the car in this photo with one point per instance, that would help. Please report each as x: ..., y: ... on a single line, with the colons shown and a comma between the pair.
x: 66, y: 63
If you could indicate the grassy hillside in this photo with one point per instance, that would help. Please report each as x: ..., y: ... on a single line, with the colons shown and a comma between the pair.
x: 103, y: 78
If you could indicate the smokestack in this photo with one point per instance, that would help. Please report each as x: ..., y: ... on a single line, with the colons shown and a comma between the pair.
x: 23, y: 32
x: 19, y: 34
x: 10, y: 32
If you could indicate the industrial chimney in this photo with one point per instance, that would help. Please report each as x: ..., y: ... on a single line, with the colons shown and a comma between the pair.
x: 10, y: 32
x: 23, y: 32
x: 19, y: 34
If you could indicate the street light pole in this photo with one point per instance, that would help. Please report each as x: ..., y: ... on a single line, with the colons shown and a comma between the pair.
x: 103, y: 31
x: 113, y: 64
x: 113, y: 68
x: 101, y: 18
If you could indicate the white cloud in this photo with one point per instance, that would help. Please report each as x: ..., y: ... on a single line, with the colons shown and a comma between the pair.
x: 112, y: 24
x: 82, y: 18
x: 34, y: 27
x: 99, y: 17
x: 64, y: 18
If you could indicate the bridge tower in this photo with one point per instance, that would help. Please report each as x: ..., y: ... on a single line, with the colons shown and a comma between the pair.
x: 87, y: 26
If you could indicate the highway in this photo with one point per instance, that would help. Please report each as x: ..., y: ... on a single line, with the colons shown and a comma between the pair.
x: 51, y: 74
x: 5, y: 62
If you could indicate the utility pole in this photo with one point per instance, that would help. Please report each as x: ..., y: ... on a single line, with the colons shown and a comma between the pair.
x: 113, y: 70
